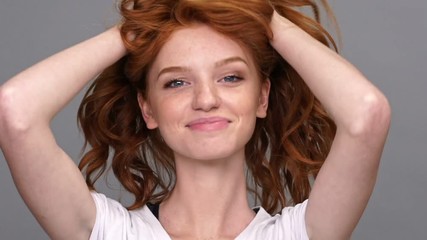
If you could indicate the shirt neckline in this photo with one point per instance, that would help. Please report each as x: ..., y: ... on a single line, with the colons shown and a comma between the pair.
x: 159, y: 230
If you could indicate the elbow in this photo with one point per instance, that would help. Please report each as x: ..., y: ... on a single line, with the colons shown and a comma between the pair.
x: 13, y: 117
x: 373, y: 116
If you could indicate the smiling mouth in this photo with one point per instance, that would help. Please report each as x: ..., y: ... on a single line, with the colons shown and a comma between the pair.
x: 209, y: 124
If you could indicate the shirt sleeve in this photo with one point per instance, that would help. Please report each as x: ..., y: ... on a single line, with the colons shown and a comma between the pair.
x: 292, y: 221
x: 115, y: 222
x: 112, y: 219
x: 289, y: 225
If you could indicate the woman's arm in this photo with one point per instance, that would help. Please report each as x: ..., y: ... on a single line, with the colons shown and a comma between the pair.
x: 362, y: 115
x: 47, y: 179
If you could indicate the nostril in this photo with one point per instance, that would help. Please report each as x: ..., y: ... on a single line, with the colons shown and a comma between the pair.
x: 206, y: 100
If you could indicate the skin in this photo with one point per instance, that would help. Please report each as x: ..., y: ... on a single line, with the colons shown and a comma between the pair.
x: 362, y: 116
x: 206, y: 115
x: 42, y: 171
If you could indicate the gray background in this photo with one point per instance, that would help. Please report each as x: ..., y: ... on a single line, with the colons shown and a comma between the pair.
x: 385, y: 39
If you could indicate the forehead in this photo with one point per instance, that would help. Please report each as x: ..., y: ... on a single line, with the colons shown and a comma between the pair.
x: 198, y: 46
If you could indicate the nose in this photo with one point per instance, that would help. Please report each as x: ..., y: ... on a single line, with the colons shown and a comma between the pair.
x: 206, y: 97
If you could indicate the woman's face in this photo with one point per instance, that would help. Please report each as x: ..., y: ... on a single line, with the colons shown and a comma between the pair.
x: 204, y: 95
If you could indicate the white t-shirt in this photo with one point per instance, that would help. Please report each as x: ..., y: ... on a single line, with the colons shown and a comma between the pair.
x: 114, y: 222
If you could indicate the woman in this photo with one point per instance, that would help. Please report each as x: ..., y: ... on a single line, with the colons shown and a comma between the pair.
x: 190, y: 95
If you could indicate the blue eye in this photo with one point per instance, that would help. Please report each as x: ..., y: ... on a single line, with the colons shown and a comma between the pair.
x: 232, y: 78
x: 175, y: 83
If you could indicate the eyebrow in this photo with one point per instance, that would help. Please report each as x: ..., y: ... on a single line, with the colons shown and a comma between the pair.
x: 217, y: 64
x: 173, y: 69
x: 230, y: 60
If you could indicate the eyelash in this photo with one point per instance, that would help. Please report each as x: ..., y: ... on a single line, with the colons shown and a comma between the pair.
x: 236, y: 78
x: 171, y: 83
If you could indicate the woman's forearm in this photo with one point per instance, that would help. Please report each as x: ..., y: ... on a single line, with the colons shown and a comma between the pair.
x: 345, y: 93
x: 38, y: 93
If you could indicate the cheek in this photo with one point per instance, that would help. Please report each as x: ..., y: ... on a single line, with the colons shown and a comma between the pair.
x: 244, y: 107
x: 166, y: 114
x: 169, y: 113
x: 246, y: 102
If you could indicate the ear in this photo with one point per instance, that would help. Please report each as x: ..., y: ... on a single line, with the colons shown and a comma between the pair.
x: 263, y: 99
x: 147, y: 112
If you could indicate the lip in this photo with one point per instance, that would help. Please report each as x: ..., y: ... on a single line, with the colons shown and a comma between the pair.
x: 208, y: 124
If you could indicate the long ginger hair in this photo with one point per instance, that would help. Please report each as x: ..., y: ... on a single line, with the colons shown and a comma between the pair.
x: 287, y: 148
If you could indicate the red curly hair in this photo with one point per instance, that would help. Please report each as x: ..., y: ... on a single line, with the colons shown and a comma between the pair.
x: 287, y: 148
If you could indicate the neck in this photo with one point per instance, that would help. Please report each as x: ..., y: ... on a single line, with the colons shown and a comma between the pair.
x: 209, y: 200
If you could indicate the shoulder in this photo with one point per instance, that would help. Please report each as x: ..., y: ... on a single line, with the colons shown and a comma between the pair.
x: 288, y: 225
x: 113, y: 221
